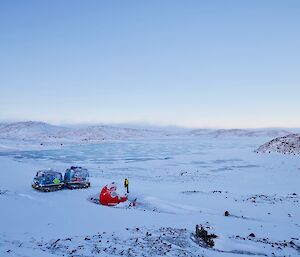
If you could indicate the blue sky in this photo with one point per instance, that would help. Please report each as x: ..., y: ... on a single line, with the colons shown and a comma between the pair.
x: 188, y: 63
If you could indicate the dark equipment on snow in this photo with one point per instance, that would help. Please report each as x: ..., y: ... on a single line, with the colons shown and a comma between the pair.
x: 48, y: 181
x: 77, y: 177
x: 204, y: 236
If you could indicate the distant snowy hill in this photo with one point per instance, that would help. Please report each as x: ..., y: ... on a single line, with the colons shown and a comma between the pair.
x: 40, y: 131
x: 102, y: 132
x: 240, y: 132
x: 29, y: 130
x: 25, y: 135
x: 289, y: 144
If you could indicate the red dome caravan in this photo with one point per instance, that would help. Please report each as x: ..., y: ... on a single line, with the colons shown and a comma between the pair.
x: 109, y: 196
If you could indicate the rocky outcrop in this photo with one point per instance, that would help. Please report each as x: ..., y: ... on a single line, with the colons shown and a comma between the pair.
x: 289, y: 144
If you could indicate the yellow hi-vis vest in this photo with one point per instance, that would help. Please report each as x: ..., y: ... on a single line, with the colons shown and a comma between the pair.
x: 126, y: 182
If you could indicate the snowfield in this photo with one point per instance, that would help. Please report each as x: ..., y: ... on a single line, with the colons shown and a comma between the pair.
x: 178, y: 180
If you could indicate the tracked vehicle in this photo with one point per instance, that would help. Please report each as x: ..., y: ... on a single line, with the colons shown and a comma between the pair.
x: 48, y: 181
x: 77, y: 177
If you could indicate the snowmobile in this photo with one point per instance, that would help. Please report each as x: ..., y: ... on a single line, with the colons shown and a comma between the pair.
x: 48, y: 181
x: 77, y: 177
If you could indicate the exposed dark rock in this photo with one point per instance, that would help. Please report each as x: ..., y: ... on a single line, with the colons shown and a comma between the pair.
x: 203, y: 234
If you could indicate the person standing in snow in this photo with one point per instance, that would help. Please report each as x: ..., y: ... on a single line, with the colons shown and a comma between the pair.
x: 126, y: 185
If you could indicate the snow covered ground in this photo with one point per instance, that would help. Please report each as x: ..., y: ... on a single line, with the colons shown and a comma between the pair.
x: 178, y: 182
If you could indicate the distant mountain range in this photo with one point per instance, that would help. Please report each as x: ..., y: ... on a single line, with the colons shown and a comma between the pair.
x: 41, y: 133
x: 241, y: 132
x: 30, y: 130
